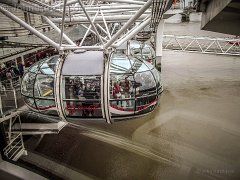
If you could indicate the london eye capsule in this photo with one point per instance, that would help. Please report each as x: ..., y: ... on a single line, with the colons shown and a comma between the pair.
x: 92, y: 87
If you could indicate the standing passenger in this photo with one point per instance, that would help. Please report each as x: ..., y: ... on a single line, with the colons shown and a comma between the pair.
x: 116, y: 92
x: 21, y: 69
x: 126, y: 85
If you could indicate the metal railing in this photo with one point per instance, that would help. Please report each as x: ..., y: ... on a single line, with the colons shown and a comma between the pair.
x: 12, y: 83
x: 6, y: 52
x: 15, y: 148
x: 222, y: 46
x: 10, y: 100
x: 2, y: 90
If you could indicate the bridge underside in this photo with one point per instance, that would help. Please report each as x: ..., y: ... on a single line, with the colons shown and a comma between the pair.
x: 221, y: 16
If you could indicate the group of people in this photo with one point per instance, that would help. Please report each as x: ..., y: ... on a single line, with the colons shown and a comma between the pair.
x: 85, y: 91
x: 143, y: 85
x: 11, y: 71
x: 122, y: 90
x: 7, y: 73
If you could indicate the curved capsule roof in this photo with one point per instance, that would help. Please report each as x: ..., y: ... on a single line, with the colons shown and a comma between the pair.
x: 142, y: 50
x: 88, y: 63
x: 91, y: 89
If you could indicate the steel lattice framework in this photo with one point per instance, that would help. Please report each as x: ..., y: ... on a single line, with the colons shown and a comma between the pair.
x: 206, y: 45
x: 112, y: 21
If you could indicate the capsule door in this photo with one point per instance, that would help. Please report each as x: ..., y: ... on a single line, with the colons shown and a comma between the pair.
x: 83, y: 97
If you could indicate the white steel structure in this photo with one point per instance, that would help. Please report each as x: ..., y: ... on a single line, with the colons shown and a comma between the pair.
x: 113, y: 23
x: 103, y: 18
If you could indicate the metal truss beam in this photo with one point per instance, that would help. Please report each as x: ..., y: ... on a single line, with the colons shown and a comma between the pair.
x: 99, y: 19
x: 28, y: 27
x: 205, y: 45
x: 90, y: 21
x: 130, y: 34
x: 58, y: 30
x: 114, y: 1
x: 121, y: 15
x: 32, y: 8
x: 129, y: 23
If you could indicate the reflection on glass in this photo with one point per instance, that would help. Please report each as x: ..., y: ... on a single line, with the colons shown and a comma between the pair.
x: 34, y: 68
x: 158, y: 80
x: 48, y: 66
x: 122, y: 107
x: 122, y: 94
x: 30, y: 102
x: 44, y: 86
x: 145, y: 104
x: 132, y: 91
x: 82, y: 96
x: 149, y: 65
x: 83, y: 108
x: 47, y: 71
x: 43, y: 104
x: 27, y: 84
x: 138, y: 65
x: 82, y: 87
x: 145, y: 83
x: 38, y: 82
x: 143, y: 51
x: 120, y: 64
x: 145, y: 92
x: 146, y: 51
